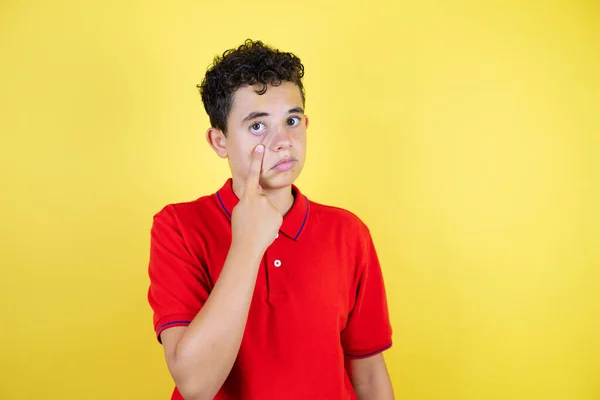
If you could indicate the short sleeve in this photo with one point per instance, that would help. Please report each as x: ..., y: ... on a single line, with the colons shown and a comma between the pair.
x: 179, y: 286
x: 368, y: 330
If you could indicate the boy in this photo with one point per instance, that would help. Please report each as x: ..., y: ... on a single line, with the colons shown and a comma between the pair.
x: 258, y: 292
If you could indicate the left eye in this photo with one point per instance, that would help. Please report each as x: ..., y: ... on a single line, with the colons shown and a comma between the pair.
x: 293, y: 121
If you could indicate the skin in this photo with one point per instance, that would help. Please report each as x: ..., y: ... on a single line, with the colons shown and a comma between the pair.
x: 201, y: 355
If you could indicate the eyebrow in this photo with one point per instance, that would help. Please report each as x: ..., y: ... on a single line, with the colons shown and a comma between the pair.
x: 258, y: 114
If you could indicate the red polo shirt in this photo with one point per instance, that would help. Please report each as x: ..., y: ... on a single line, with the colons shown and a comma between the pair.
x: 319, y: 295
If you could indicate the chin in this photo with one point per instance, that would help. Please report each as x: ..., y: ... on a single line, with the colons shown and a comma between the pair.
x: 281, y: 180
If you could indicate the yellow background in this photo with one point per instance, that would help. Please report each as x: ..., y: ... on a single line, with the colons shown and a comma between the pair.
x: 466, y: 135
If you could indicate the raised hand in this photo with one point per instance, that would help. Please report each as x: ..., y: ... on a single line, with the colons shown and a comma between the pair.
x: 254, y: 220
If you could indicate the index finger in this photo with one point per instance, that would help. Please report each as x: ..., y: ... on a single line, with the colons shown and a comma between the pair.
x: 253, y: 179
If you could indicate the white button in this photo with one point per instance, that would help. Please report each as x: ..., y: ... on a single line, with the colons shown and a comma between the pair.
x: 277, y: 263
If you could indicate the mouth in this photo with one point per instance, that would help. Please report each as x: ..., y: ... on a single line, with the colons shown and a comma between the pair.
x: 284, y: 165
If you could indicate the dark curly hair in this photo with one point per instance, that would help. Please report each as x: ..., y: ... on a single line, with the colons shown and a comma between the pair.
x: 251, y: 63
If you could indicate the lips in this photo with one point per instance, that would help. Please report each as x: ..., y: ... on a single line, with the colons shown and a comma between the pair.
x: 284, y: 164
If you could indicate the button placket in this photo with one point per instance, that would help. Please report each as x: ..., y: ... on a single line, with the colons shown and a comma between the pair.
x: 274, y: 264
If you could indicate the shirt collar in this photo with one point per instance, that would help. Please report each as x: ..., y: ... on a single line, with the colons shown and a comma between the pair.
x: 293, y: 222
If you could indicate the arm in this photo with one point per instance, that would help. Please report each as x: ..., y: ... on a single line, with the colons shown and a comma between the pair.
x: 370, y: 378
x: 201, y: 355
x: 368, y: 331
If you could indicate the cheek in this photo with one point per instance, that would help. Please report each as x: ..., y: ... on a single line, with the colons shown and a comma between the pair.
x: 240, y: 151
x: 241, y: 160
x: 300, y: 138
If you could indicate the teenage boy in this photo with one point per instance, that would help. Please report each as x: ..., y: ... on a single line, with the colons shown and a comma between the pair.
x: 257, y: 291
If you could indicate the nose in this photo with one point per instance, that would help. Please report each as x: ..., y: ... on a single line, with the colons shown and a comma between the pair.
x: 281, y: 139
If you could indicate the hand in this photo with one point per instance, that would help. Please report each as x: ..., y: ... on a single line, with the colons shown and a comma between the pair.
x: 254, y: 220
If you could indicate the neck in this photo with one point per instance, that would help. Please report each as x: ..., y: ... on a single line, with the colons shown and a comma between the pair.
x: 282, y: 198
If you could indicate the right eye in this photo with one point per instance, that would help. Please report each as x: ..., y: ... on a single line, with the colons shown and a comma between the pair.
x: 257, y: 128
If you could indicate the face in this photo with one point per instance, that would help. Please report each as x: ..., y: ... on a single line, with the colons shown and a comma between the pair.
x: 275, y: 119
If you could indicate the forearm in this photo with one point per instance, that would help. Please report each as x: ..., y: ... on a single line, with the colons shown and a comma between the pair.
x: 370, y: 378
x: 380, y: 389
x: 209, y: 346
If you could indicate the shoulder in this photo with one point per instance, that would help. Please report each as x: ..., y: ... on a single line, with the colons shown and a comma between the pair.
x: 344, y: 228
x: 338, y: 217
x: 185, y: 212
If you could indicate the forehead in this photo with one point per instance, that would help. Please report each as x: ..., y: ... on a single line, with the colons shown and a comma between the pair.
x: 276, y: 100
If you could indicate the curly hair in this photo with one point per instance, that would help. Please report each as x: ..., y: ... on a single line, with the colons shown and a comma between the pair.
x: 251, y: 63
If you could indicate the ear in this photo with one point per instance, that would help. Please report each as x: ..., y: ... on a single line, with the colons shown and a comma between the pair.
x: 218, y: 141
x: 306, y: 123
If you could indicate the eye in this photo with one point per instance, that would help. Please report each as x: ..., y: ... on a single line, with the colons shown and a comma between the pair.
x: 293, y: 121
x: 257, y: 128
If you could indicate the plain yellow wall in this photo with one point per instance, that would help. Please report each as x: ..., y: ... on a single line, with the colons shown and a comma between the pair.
x: 466, y: 134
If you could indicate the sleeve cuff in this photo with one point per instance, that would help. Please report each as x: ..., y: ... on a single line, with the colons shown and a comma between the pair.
x: 369, y: 353
x: 170, y: 322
